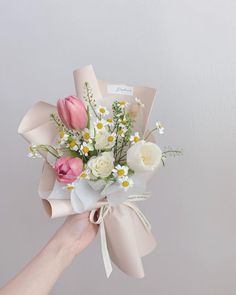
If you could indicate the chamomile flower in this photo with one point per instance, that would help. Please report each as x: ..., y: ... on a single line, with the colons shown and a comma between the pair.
x: 139, y: 102
x: 110, y: 122
x: 102, y: 111
x: 126, y: 182
x: 120, y: 171
x: 100, y: 125
x: 86, y: 148
x: 134, y: 138
x: 87, y: 135
x: 160, y: 127
x: 85, y: 174
x: 70, y: 186
x: 111, y: 139
x: 73, y: 144
x: 121, y: 131
x: 123, y: 103
x: 63, y: 137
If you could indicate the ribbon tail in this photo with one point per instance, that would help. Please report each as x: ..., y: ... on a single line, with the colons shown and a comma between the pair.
x: 105, y: 252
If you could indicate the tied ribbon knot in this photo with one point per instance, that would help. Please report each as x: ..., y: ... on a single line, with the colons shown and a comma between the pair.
x: 98, y: 215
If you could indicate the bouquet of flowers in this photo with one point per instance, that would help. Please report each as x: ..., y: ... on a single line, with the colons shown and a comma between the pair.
x: 99, y: 158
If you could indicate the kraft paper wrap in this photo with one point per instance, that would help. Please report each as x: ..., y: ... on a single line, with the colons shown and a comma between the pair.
x: 127, y: 237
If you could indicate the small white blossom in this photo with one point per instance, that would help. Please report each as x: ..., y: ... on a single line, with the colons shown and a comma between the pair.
x: 73, y: 145
x: 110, y: 122
x: 126, y: 182
x: 121, y: 132
x: 63, y: 137
x: 87, y: 135
x: 160, y: 127
x: 123, y: 103
x: 102, y: 110
x: 120, y: 171
x: 100, y: 125
x: 134, y: 138
x: 139, y: 102
x: 85, y: 174
x: 86, y: 148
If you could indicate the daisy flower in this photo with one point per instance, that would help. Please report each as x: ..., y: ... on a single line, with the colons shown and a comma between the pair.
x: 134, y: 138
x: 123, y: 103
x: 70, y: 186
x: 86, y: 135
x: 110, y: 122
x: 120, y: 171
x: 86, y: 148
x: 100, y: 125
x: 102, y: 110
x: 111, y: 139
x: 73, y: 145
x: 160, y: 127
x: 126, y: 182
x: 63, y: 137
x: 85, y: 174
x: 121, y: 132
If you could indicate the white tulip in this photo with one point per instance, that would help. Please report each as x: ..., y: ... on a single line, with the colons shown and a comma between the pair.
x: 144, y: 156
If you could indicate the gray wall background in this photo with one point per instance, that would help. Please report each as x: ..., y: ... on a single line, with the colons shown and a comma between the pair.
x: 186, y: 49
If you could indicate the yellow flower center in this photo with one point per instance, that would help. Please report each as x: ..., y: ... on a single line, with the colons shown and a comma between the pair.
x: 136, y: 139
x: 122, y: 102
x: 62, y: 133
x: 83, y: 174
x: 70, y: 187
x: 125, y: 183
x: 99, y: 125
x: 85, y: 149
x: 110, y: 138
x: 72, y: 143
x: 120, y: 132
x: 86, y: 136
x: 109, y: 120
x: 102, y: 110
x: 120, y: 172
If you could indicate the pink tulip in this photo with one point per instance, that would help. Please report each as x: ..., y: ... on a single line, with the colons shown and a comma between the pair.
x: 68, y: 169
x: 72, y: 112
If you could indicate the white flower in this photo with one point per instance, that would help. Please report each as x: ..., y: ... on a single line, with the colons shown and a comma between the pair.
x: 160, y: 127
x: 73, y: 145
x: 87, y: 135
x: 69, y: 186
x: 63, y: 137
x: 120, y: 171
x: 144, y: 156
x: 126, y: 182
x: 121, y: 132
x: 102, y: 165
x: 134, y: 138
x: 139, y: 102
x: 85, y: 174
x: 102, y: 110
x: 110, y: 122
x: 100, y: 125
x: 33, y: 153
x: 86, y: 148
x: 105, y: 140
x: 123, y: 104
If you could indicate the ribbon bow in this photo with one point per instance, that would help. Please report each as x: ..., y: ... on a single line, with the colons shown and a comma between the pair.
x: 98, y: 215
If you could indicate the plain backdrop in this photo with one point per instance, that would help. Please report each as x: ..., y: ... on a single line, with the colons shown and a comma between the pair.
x: 185, y: 49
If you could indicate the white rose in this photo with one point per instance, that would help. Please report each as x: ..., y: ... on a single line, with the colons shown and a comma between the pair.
x: 102, y: 165
x: 144, y: 156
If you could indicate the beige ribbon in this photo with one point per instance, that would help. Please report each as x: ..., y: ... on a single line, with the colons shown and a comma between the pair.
x: 98, y: 215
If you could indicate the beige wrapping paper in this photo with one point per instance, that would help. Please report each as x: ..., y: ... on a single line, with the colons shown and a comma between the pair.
x: 127, y: 238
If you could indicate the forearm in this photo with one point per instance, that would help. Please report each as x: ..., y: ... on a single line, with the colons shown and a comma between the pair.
x: 39, y: 276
